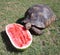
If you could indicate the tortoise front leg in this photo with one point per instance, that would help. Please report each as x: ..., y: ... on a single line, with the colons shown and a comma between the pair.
x: 36, y: 30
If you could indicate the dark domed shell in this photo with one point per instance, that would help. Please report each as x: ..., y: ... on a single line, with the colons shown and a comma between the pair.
x: 40, y: 15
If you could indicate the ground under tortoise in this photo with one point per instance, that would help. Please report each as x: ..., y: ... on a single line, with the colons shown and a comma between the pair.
x: 38, y: 17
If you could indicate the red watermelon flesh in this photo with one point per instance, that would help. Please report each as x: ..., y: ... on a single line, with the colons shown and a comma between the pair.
x: 19, y: 36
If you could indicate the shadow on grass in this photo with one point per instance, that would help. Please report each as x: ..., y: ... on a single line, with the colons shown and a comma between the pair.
x: 20, y: 21
x: 8, y: 44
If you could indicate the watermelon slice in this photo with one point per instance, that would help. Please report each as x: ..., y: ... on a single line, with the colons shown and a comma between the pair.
x: 19, y: 36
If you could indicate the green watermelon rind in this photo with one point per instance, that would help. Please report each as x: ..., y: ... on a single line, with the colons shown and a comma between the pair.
x: 12, y: 41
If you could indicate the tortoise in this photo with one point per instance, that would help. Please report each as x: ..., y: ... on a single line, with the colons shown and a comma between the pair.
x: 38, y: 17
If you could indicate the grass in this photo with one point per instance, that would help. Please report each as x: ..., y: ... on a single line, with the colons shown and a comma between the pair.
x: 46, y: 44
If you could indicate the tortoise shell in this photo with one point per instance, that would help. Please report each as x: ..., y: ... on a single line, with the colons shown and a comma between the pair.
x: 40, y: 15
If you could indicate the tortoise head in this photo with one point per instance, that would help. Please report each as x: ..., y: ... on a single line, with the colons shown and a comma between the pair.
x: 28, y: 25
